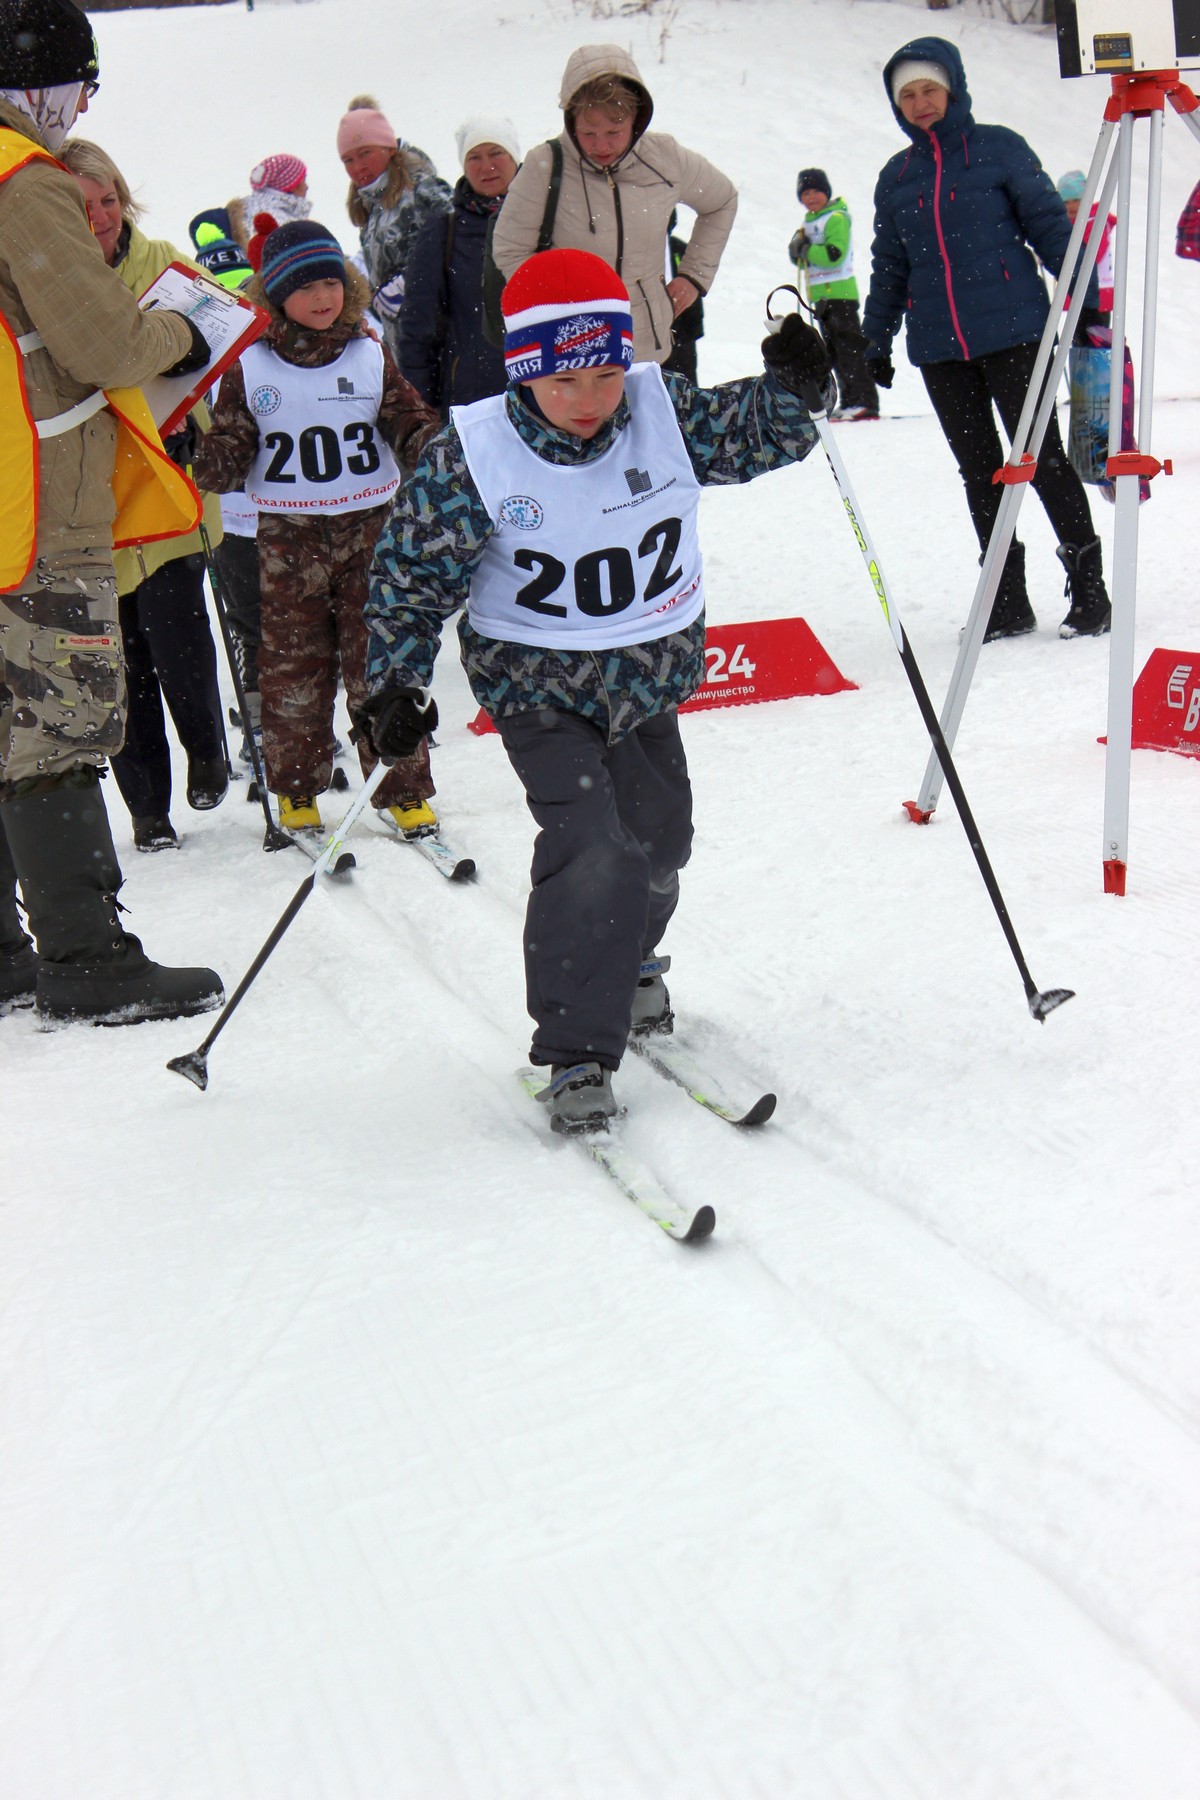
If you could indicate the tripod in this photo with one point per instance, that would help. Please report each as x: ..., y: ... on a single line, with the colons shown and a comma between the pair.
x: 1133, y: 97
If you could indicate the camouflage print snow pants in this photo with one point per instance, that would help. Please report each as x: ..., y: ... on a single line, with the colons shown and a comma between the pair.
x: 314, y: 586
x: 62, y: 680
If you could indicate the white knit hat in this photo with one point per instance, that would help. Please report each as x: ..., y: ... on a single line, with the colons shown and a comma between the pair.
x: 487, y: 128
x: 912, y: 70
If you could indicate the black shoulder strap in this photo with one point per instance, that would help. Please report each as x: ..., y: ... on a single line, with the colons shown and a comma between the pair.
x: 552, y: 193
x: 448, y: 252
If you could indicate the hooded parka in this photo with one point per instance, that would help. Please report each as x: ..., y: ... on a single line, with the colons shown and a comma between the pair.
x: 622, y: 212
x: 954, y: 216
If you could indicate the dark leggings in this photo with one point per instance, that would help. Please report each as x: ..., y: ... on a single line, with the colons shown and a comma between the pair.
x: 169, y: 654
x: 962, y: 394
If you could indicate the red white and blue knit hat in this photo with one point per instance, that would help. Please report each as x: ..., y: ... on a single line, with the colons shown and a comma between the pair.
x: 565, y: 309
x: 292, y: 255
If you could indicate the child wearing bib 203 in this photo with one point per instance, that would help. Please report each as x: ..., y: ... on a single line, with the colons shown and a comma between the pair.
x: 312, y: 423
x: 562, y: 515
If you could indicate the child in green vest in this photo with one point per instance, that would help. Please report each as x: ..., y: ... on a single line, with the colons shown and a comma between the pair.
x: 821, y: 248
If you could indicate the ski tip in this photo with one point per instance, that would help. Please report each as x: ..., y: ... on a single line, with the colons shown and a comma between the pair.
x: 192, y: 1067
x: 339, y: 781
x: 704, y: 1222
x: 464, y: 870
x: 343, y: 864
x: 759, y: 1113
x: 1042, y: 1004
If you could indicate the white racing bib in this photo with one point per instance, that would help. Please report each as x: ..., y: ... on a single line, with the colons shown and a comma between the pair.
x: 318, y: 446
x: 587, y: 556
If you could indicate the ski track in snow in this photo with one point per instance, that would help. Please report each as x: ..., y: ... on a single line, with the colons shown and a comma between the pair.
x: 360, y: 1440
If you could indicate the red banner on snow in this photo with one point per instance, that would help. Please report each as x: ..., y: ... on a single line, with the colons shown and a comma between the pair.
x: 769, y: 659
x: 1166, y: 703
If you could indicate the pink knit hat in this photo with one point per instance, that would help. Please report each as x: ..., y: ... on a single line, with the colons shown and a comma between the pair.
x: 362, y: 128
x: 284, y: 173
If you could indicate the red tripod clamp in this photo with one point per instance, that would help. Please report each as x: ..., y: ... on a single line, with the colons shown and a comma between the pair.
x: 1132, y: 462
x: 1012, y: 474
x: 1148, y: 93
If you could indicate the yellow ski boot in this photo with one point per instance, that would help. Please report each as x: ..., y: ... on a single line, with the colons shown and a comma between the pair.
x: 297, y: 812
x: 413, y: 818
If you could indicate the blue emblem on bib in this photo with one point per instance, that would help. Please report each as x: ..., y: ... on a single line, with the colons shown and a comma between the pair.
x: 265, y: 399
x: 522, y: 512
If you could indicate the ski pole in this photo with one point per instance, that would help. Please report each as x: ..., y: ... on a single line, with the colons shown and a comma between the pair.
x: 195, y: 1064
x: 1040, y: 1002
x: 275, y: 837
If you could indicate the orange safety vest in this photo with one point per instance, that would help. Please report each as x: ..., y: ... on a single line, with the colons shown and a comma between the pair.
x: 155, y: 499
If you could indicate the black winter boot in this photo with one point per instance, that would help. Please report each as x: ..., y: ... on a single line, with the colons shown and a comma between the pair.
x: 1012, y: 615
x: 1090, y: 613
x: 18, y: 959
x: 90, y: 968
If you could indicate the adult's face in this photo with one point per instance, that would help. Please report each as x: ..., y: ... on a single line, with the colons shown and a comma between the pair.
x: 489, y: 169
x: 603, y: 140
x: 366, y: 164
x: 104, y: 212
x: 923, y: 103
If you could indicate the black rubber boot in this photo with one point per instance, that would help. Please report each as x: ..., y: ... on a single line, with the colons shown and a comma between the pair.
x: 18, y: 959
x: 1090, y: 613
x: 90, y: 968
x: 1012, y: 615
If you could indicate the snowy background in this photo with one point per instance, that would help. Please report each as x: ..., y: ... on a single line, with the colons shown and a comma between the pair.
x: 359, y: 1440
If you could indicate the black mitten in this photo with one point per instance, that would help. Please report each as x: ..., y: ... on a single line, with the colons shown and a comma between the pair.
x: 195, y: 359
x: 395, y: 721
x: 880, y: 365
x: 797, y: 357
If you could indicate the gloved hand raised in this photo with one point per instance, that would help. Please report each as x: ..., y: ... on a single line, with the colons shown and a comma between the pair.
x: 388, y: 299
x: 395, y: 721
x: 796, y: 355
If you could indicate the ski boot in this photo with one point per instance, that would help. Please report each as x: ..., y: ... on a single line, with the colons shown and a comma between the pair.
x: 298, y: 812
x: 652, y: 1013
x: 1090, y: 612
x: 580, y: 1098
x: 413, y: 818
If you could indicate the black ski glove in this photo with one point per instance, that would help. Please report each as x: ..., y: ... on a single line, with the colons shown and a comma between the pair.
x: 193, y: 360
x: 880, y: 365
x: 797, y: 357
x: 395, y: 721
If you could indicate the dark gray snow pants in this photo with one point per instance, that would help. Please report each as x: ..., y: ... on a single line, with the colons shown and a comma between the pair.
x: 615, y: 828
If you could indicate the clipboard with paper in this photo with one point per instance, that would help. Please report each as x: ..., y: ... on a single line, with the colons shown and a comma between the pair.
x: 229, y: 323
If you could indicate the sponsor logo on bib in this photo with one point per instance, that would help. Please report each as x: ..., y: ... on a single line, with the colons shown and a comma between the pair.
x: 522, y: 512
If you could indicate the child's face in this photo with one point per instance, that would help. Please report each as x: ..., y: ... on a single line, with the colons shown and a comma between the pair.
x: 813, y: 200
x: 316, y: 305
x: 580, y: 400
x: 1072, y: 207
x: 366, y: 164
x: 923, y: 103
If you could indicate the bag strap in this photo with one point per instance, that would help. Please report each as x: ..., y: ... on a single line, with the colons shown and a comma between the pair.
x: 552, y: 193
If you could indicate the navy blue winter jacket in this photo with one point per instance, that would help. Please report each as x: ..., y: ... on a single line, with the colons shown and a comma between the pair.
x: 443, y: 351
x: 954, y: 216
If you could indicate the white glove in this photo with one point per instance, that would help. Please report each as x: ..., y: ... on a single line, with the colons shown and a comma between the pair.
x: 389, y: 298
x: 814, y: 230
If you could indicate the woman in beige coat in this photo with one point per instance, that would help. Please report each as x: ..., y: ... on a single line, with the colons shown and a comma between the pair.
x: 620, y: 184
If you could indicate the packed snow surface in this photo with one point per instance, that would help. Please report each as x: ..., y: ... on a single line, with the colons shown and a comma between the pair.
x: 359, y: 1440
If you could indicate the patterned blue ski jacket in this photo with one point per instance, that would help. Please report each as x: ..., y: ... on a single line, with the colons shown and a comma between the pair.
x: 439, y: 527
x: 954, y: 215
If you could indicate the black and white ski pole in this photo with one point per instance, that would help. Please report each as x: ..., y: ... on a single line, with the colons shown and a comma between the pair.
x: 195, y: 1064
x: 1040, y: 1002
x: 275, y: 837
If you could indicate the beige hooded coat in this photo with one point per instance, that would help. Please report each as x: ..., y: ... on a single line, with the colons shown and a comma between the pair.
x: 54, y: 280
x: 622, y: 213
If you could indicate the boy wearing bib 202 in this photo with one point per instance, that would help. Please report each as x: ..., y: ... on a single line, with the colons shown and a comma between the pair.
x: 310, y: 424
x: 562, y: 515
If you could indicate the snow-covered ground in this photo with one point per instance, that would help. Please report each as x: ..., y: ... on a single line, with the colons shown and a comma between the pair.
x: 358, y: 1440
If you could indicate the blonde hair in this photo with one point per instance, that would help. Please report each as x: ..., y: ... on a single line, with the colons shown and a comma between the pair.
x: 611, y: 95
x: 84, y: 158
